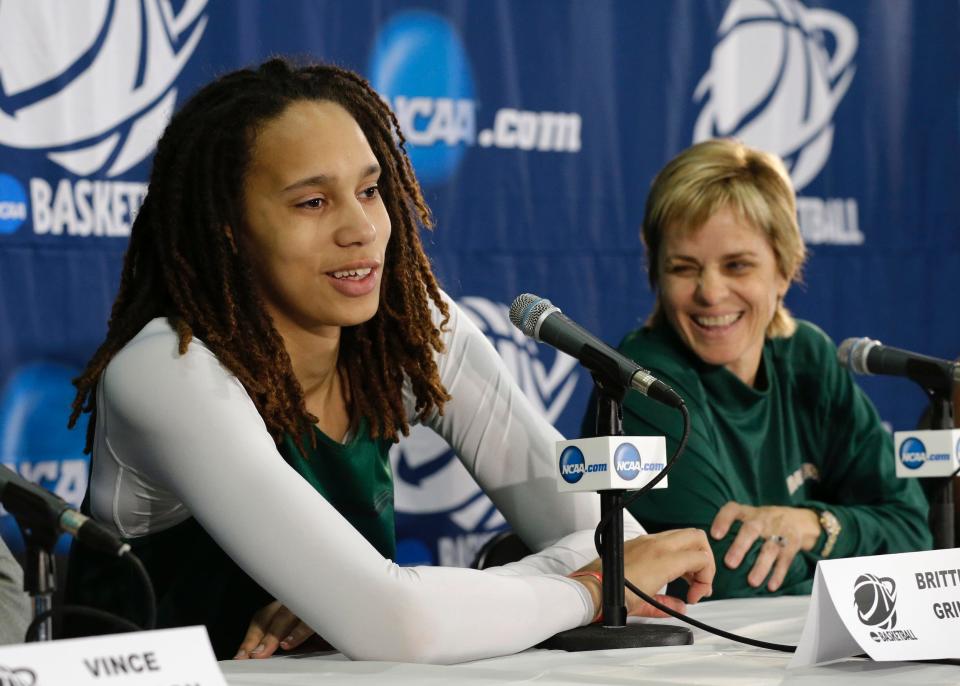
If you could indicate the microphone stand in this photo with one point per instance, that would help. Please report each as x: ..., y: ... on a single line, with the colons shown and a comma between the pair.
x: 38, y: 524
x: 613, y: 630
x: 940, y: 489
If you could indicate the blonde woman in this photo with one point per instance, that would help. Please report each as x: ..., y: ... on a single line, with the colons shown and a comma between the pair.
x: 787, y: 462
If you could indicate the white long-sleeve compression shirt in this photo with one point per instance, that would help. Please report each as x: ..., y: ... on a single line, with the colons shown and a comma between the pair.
x: 178, y: 436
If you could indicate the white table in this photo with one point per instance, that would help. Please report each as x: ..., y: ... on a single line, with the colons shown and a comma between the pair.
x: 711, y: 660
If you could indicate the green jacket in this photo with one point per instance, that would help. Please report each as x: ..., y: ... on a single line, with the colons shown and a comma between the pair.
x: 805, y: 436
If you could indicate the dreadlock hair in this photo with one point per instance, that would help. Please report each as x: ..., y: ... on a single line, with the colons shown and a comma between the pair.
x: 182, y: 262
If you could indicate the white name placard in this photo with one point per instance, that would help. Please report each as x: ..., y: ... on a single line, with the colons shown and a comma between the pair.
x: 892, y: 607
x: 927, y: 453
x: 167, y: 657
x: 608, y: 462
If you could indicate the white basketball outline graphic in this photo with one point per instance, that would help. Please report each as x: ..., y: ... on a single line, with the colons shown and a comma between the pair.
x: 451, y: 489
x: 773, y: 84
x: 77, y: 136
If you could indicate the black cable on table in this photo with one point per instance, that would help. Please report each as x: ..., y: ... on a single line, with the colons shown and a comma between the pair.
x: 598, y: 542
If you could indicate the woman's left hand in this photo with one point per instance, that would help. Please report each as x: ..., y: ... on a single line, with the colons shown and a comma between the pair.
x: 786, y: 530
x: 272, y: 627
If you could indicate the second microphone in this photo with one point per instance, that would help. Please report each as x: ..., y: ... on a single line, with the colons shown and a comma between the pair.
x: 541, y: 320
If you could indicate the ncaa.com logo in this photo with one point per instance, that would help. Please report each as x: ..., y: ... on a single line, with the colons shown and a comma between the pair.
x: 913, y: 453
x: 432, y: 486
x: 13, y: 204
x: 94, y: 101
x: 778, y: 72
x: 572, y: 464
x: 627, y: 461
x: 420, y: 66
x: 35, y: 441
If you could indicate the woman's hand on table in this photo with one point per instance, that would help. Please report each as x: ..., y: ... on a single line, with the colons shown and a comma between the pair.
x: 654, y: 560
x: 272, y: 627
x: 785, y: 531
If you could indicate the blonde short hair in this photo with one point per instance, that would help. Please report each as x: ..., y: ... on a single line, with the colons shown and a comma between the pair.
x: 719, y: 174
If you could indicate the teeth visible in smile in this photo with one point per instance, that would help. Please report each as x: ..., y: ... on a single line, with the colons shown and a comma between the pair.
x: 355, y: 274
x: 724, y: 320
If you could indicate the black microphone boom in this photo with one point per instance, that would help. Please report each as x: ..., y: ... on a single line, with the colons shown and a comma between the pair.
x: 538, y: 318
x: 867, y: 356
x: 16, y: 492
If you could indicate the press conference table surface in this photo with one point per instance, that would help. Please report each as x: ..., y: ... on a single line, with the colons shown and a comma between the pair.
x: 710, y: 660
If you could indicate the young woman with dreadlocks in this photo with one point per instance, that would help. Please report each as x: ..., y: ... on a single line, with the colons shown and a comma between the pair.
x: 277, y: 326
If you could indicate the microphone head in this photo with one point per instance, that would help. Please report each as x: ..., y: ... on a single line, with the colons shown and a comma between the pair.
x: 852, y: 354
x: 520, y: 303
x: 526, y: 310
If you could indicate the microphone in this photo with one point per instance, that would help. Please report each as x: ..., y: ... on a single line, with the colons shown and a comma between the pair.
x: 538, y: 318
x: 867, y: 356
x: 15, y: 489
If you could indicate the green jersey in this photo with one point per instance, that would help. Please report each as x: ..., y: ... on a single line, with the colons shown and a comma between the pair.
x: 805, y: 436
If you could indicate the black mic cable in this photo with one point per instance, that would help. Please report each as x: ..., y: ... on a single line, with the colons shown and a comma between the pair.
x: 598, y: 543
x: 541, y: 320
x: 39, y: 508
x: 104, y: 617
x: 756, y: 642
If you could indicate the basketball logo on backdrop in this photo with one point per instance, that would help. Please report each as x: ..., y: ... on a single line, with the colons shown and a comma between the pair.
x: 432, y: 486
x: 94, y: 100
x: 548, y: 389
x: 102, y: 89
x: 774, y: 83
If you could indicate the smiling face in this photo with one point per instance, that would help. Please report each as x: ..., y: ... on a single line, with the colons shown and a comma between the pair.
x: 316, y: 227
x: 719, y: 286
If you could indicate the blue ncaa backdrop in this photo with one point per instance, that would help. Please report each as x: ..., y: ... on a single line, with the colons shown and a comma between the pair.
x: 536, y: 127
